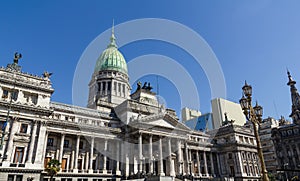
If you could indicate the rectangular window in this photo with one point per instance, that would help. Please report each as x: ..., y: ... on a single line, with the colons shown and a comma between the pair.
x: 10, y: 178
x: 34, y: 99
x: 19, y: 178
x: 66, y: 144
x: 123, y: 88
x: 50, y: 141
x: 23, y: 128
x: 5, y: 94
x: 14, y: 95
x: 19, y: 153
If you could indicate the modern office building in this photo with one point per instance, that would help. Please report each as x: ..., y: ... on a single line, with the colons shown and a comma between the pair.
x: 233, y: 111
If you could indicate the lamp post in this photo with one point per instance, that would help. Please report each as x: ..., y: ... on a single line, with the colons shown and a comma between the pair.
x: 254, y: 115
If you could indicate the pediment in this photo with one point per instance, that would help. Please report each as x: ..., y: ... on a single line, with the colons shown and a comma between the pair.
x: 163, y: 121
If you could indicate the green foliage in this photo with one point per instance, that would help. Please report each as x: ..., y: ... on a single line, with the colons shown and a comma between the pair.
x: 53, y: 168
x: 271, y: 177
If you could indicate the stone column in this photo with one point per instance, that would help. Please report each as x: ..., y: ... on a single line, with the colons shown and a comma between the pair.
x: 101, y: 88
x: 179, y: 157
x: 205, y: 164
x: 198, y: 163
x: 172, y: 170
x: 161, y: 163
x: 10, y: 143
x: 92, y: 155
x: 212, y: 164
x: 87, y: 154
x: 97, y: 162
x: 32, y: 141
x: 82, y: 161
x: 219, y: 164
x: 61, y: 149
x: 118, y: 172
x: 75, y: 170
x: 150, y: 155
x: 45, y: 145
x: 106, y: 88
x: 187, y: 159
x: 105, y: 157
x: 41, y: 146
x: 190, y: 163
x: 72, y: 160
x: 127, y: 160
x: 140, y: 153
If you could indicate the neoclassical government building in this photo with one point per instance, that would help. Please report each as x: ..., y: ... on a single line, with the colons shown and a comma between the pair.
x: 123, y: 134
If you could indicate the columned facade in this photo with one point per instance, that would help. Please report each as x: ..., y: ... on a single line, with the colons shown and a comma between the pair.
x: 119, y: 136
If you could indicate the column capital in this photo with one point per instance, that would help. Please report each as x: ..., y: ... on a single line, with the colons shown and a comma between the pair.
x: 43, y: 123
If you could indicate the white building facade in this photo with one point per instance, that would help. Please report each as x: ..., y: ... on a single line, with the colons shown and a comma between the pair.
x: 119, y: 136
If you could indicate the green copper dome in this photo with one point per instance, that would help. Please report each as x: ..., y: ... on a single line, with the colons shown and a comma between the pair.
x: 111, y: 58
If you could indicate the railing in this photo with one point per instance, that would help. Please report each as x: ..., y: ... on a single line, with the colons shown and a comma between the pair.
x: 87, y: 171
x: 17, y: 165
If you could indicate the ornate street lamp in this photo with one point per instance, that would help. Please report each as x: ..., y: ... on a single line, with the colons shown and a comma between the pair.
x: 254, y: 114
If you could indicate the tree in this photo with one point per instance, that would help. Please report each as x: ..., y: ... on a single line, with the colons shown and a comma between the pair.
x: 53, y: 167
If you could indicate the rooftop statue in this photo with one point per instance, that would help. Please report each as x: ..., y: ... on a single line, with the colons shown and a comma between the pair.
x: 47, y: 74
x: 147, y: 86
x: 17, y: 57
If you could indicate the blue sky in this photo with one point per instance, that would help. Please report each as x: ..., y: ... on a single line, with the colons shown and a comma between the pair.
x: 253, y: 40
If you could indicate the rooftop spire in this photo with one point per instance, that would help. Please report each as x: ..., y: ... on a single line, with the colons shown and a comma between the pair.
x: 113, y: 38
x: 291, y: 81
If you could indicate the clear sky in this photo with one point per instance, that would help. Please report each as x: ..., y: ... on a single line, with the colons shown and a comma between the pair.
x: 253, y: 40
